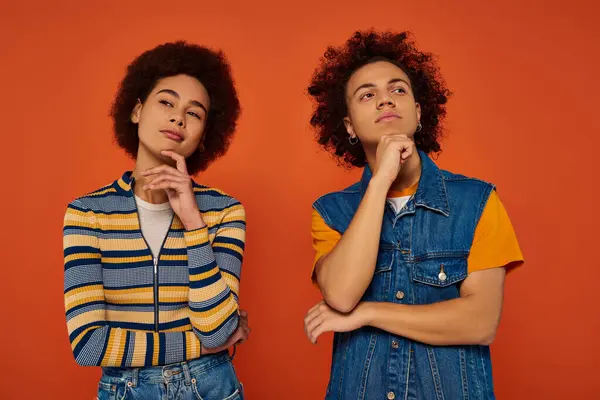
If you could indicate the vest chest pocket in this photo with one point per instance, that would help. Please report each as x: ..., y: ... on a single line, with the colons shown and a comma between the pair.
x: 379, y: 288
x: 438, y: 279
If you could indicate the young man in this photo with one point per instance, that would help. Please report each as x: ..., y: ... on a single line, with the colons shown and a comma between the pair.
x: 411, y: 260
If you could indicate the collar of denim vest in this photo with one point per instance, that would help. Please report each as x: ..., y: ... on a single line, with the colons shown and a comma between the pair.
x: 431, y: 192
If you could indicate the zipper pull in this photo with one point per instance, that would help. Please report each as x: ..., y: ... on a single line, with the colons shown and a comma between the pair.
x: 155, y: 264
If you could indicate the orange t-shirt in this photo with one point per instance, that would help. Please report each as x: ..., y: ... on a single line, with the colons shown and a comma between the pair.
x: 494, y: 244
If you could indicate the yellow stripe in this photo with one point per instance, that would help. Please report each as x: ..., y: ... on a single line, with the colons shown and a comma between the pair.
x: 116, y: 345
x: 95, y: 317
x: 200, y: 190
x: 80, y: 336
x: 210, y: 320
x: 230, y: 246
x: 123, y: 185
x: 231, y: 281
x: 193, y: 346
x: 123, y: 244
x: 180, y: 257
x: 174, y: 243
x: 204, y: 275
x: 101, y: 192
x: 119, y: 260
x: 79, y: 240
x: 208, y: 292
x: 140, y: 348
x: 134, y: 297
x: 130, y: 316
x: 82, y: 295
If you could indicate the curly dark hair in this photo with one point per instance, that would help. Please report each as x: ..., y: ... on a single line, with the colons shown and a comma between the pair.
x: 208, y: 66
x: 328, y: 90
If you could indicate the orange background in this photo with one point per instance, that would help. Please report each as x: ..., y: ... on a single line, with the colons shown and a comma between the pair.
x: 524, y: 116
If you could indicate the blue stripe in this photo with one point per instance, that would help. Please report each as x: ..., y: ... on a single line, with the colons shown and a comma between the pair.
x: 82, y: 285
x: 80, y: 306
x: 211, y: 193
x: 77, y: 208
x: 180, y: 284
x: 149, y: 348
x: 173, y: 252
x: 126, y: 253
x: 130, y: 325
x: 80, y: 228
x: 103, y: 231
x: 114, y: 306
x: 175, y: 324
x: 198, y: 246
x: 223, y: 250
x: 82, y: 328
x: 82, y: 261
x: 120, y: 212
x: 124, y: 265
x: 233, y: 222
x: 83, y: 342
x: 228, y: 240
x: 126, y: 351
x: 205, y: 282
x: 173, y: 303
x: 80, y: 249
x: 202, y: 268
x: 162, y: 347
x: 106, y: 287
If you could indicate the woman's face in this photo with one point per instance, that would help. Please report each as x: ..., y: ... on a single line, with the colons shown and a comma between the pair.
x: 173, y: 117
x: 380, y: 101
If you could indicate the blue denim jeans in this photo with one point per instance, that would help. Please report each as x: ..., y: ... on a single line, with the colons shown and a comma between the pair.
x: 211, y: 377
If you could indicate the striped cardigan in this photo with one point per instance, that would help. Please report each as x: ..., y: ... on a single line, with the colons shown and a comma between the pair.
x: 125, y: 308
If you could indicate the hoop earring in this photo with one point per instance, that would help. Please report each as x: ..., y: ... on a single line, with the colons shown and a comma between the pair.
x: 353, y: 140
x: 419, y: 127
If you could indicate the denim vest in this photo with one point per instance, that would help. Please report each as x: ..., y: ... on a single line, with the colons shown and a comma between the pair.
x: 422, y: 259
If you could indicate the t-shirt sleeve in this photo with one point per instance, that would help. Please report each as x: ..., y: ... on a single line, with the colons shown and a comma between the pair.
x: 495, y: 242
x: 324, y: 238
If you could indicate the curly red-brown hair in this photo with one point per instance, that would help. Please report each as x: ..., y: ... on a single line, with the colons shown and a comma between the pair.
x: 328, y: 90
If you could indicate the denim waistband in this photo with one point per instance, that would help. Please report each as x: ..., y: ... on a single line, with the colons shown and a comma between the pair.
x: 166, y: 373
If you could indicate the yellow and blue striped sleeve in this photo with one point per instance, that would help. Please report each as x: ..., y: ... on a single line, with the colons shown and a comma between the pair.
x: 214, y: 275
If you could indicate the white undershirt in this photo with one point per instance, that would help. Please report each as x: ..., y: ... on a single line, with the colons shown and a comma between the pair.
x: 155, y: 221
x: 398, y: 203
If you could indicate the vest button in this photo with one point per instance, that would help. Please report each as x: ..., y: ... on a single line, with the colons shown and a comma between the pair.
x: 442, y: 276
x: 391, y: 396
x: 395, y: 344
x: 399, y: 295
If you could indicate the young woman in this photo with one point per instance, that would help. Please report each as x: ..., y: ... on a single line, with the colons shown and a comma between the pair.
x: 153, y: 260
x: 411, y: 260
